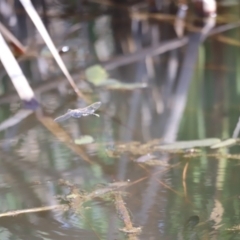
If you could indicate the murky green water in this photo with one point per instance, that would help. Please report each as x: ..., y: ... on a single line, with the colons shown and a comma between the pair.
x: 180, y: 198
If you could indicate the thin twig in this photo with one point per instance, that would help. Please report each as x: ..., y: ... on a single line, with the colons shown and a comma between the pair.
x: 149, y: 51
x: 125, y: 217
x: 33, y: 210
x: 184, y: 179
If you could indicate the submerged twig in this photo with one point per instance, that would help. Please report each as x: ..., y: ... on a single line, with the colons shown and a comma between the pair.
x: 33, y: 210
x: 75, y: 199
x: 124, y: 215
x: 109, y: 188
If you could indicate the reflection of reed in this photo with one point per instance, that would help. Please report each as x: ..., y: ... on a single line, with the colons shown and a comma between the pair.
x: 161, y: 48
x: 57, y: 131
x: 184, y: 175
x: 185, y: 76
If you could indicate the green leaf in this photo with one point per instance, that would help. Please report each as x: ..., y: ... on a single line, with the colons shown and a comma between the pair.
x: 84, y: 140
x: 190, y: 144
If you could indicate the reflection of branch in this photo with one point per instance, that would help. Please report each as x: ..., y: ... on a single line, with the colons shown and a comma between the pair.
x: 63, y: 136
x: 141, y: 54
x: 185, y: 77
x: 168, y: 187
x: 15, y: 172
x: 228, y: 40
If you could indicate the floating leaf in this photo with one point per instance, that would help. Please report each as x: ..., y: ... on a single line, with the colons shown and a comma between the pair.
x: 84, y: 140
x: 225, y: 143
x: 190, y: 144
x: 117, y: 85
x: 96, y: 74
x: 109, y: 82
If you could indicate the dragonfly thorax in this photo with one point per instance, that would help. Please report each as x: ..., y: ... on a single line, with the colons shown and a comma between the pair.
x: 75, y: 113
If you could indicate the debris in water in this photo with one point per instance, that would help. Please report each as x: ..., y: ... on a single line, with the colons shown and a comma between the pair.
x: 84, y: 140
x: 225, y: 143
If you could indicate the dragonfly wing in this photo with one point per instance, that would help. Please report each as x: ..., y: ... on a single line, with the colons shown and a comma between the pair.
x: 96, y: 105
x: 63, y: 117
x: 90, y: 109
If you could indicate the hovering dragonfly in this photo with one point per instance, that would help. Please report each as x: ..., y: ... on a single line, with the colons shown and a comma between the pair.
x: 80, y: 112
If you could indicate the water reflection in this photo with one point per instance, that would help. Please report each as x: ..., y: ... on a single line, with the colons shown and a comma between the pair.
x: 189, y: 96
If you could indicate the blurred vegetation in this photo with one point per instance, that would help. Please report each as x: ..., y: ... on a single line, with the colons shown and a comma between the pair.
x: 164, y: 80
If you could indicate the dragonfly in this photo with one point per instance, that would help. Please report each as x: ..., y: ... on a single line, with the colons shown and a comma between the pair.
x: 80, y: 112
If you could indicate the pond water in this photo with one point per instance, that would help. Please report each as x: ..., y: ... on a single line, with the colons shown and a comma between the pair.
x: 193, y: 93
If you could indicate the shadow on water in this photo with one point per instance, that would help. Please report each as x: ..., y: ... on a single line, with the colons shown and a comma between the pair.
x: 135, y: 172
